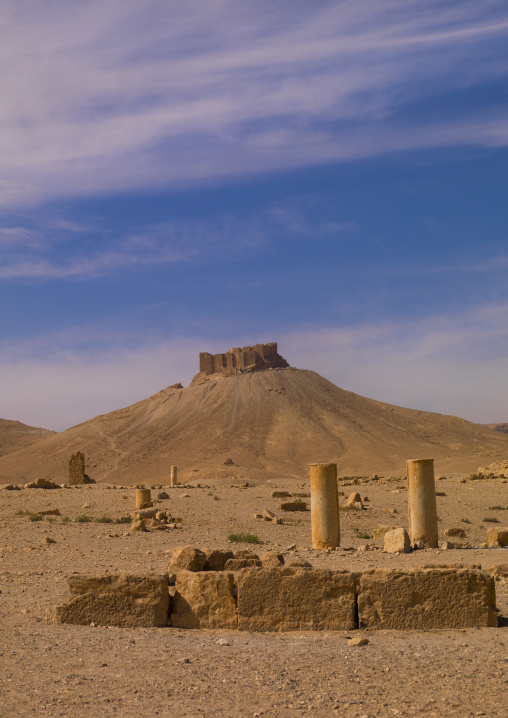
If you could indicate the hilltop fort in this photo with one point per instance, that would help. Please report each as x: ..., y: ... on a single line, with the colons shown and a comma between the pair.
x: 241, y: 359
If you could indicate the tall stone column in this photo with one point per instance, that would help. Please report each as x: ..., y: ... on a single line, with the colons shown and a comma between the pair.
x: 174, y: 476
x: 324, y: 506
x: 143, y: 496
x: 422, y: 502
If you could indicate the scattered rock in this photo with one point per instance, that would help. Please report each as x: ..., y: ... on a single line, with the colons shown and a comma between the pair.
x: 497, y: 537
x: 353, y: 499
x: 138, y: 526
x: 41, y: 484
x: 268, y: 515
x: 293, y: 506
x: 397, y: 541
x: 280, y: 494
x: 216, y: 560
x: 223, y: 642
x: 445, y: 545
x: 500, y: 572
x: 458, y: 532
x: 162, y: 495
x: 358, y: 641
x: 48, y: 540
x: 184, y: 496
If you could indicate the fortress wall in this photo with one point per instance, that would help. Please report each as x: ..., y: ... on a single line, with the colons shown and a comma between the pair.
x: 238, y: 357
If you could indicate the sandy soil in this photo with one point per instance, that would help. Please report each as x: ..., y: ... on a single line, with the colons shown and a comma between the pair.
x: 97, y: 671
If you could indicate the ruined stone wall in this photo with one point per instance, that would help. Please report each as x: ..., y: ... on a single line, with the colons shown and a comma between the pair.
x: 77, y: 474
x: 238, y: 359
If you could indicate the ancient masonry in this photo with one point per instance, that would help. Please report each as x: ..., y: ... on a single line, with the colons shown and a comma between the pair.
x: 239, y: 360
x: 77, y: 470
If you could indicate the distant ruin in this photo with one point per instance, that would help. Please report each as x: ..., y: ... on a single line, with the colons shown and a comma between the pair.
x: 77, y: 474
x: 242, y: 359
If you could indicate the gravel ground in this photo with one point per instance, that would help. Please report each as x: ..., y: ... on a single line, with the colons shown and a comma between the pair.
x: 83, y: 671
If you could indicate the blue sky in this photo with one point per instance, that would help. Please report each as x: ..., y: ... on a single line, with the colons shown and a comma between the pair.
x: 178, y: 177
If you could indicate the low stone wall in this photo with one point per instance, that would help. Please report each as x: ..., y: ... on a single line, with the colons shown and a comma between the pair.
x: 286, y: 599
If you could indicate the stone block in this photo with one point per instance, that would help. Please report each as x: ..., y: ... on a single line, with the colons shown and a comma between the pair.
x: 293, y: 599
x: 204, y: 600
x: 122, y: 600
x: 457, y: 532
x: 280, y: 495
x: 500, y: 572
x: 293, y: 506
x: 268, y: 515
x: 216, y: 560
x: 236, y: 564
x: 187, y: 558
x: 272, y: 559
x: 397, y: 541
x: 353, y: 499
x: 426, y: 599
x: 497, y: 537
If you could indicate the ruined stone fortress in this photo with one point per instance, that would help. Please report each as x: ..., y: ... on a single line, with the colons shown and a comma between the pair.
x: 239, y: 360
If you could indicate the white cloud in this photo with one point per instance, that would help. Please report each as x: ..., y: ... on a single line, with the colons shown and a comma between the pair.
x: 109, y: 95
x: 451, y: 364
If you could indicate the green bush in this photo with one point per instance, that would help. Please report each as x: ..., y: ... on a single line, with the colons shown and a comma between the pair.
x: 491, y: 520
x: 84, y: 519
x: 104, y: 520
x: 243, y: 538
x: 35, y: 517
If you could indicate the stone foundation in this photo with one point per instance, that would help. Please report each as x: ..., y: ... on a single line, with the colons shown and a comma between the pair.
x: 287, y: 599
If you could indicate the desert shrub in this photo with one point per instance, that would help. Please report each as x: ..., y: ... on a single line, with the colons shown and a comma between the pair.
x: 35, y: 517
x: 363, y: 536
x: 243, y: 538
x: 65, y: 519
x: 491, y: 520
x: 51, y: 519
x: 104, y: 520
x: 84, y: 519
x: 497, y: 508
x: 465, y: 521
x: 123, y: 520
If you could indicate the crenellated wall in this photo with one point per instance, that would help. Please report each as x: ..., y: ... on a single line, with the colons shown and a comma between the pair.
x: 240, y: 359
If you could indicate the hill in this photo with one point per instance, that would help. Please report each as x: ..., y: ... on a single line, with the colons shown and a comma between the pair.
x: 498, y: 427
x: 15, y: 436
x: 269, y: 424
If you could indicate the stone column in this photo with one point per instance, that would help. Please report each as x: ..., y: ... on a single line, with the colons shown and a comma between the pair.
x: 174, y: 476
x: 143, y: 496
x: 324, y: 506
x: 422, y: 502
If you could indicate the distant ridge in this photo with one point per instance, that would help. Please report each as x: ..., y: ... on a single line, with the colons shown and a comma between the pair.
x: 270, y: 424
x: 15, y: 436
x: 498, y: 427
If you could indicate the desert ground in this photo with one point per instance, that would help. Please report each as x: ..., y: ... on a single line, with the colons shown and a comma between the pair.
x: 66, y: 670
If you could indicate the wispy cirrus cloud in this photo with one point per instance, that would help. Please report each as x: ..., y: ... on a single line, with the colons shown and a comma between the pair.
x: 113, y: 95
x: 56, y: 250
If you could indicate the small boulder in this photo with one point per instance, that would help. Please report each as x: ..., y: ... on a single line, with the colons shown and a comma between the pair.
x: 280, y: 495
x: 457, y: 532
x: 268, y: 515
x: 187, y: 558
x: 445, y: 545
x: 497, y: 537
x: 216, y: 559
x: 397, y: 541
x: 162, y: 495
x: 353, y: 499
x: 358, y: 641
x: 137, y: 526
x: 48, y: 540
x: 293, y: 506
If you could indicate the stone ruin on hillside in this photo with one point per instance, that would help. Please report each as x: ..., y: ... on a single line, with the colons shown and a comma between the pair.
x: 77, y: 474
x: 240, y: 360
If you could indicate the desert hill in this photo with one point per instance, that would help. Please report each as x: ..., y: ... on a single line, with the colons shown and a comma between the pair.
x: 498, y: 427
x: 270, y: 424
x: 14, y: 435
